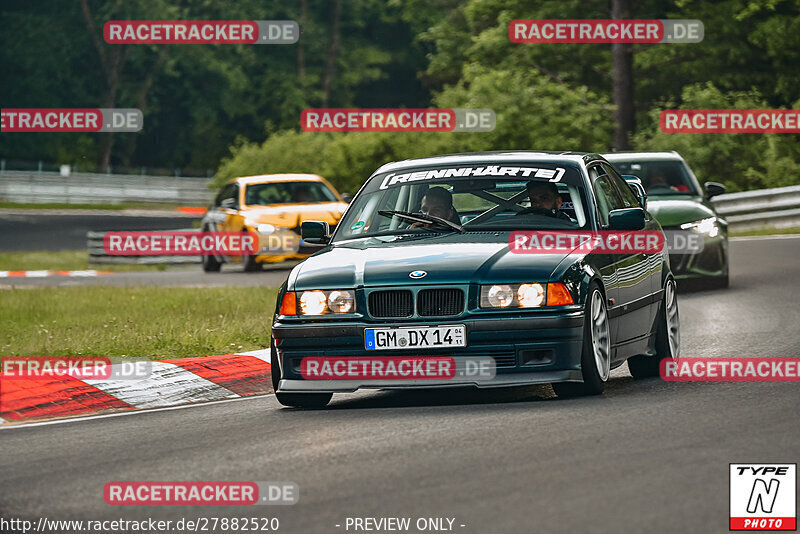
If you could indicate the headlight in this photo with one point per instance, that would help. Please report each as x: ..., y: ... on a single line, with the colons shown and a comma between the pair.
x: 497, y: 296
x: 327, y: 302
x: 265, y: 228
x: 704, y: 226
x: 532, y: 295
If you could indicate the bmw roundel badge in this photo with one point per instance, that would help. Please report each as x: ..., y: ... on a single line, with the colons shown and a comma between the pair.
x: 417, y: 274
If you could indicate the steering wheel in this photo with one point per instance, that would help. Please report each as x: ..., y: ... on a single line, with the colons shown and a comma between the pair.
x: 536, y: 210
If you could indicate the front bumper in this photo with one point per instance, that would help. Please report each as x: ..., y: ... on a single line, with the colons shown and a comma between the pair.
x: 531, y: 349
x: 711, y: 262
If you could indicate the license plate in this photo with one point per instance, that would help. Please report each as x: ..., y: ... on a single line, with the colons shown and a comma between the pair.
x: 427, y: 337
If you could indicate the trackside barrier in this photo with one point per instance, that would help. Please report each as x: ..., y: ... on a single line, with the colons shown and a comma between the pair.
x: 763, y: 208
x: 90, y: 188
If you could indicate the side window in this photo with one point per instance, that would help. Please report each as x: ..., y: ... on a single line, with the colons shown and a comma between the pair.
x: 608, y: 198
x: 229, y: 191
x: 628, y: 198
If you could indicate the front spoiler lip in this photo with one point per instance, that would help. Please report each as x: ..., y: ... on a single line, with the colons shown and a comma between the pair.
x: 572, y: 319
x: 505, y: 380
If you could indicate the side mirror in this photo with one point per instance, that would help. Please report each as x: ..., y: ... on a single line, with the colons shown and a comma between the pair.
x: 714, y: 188
x: 347, y: 197
x: 315, y: 232
x: 627, y: 219
x: 638, y: 189
x: 228, y: 203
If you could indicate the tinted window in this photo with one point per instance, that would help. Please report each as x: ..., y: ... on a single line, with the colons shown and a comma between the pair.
x: 229, y: 191
x: 629, y: 200
x: 659, y: 177
x: 288, y: 193
x: 608, y: 198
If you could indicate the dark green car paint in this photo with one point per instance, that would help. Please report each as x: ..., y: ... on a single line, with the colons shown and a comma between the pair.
x: 632, y: 284
x: 673, y: 210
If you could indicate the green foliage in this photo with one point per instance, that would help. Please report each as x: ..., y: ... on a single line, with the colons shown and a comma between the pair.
x: 740, y: 161
x: 533, y: 113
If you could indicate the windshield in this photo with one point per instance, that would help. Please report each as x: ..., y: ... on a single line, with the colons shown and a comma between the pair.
x: 469, y: 199
x: 288, y: 193
x: 660, y: 177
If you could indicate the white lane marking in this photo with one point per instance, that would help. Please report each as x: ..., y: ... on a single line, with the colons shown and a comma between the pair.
x: 168, y: 385
x: 765, y: 237
x: 263, y: 354
x: 129, y: 412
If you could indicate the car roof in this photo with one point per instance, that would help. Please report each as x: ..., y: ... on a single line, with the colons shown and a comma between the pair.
x: 539, y: 156
x: 642, y: 156
x: 266, y: 178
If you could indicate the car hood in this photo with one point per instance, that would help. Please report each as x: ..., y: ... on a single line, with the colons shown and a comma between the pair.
x: 674, y: 212
x: 291, y: 215
x: 370, y: 262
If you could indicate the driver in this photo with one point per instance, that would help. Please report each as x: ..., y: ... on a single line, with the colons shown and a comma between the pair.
x: 544, y: 197
x: 438, y: 202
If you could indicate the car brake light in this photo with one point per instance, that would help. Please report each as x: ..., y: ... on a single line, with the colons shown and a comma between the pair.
x: 289, y: 303
x: 558, y: 295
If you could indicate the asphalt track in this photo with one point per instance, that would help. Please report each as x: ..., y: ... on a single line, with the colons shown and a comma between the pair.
x: 647, y: 456
x: 52, y: 230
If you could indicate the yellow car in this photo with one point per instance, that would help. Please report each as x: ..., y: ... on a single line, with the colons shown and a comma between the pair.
x: 272, y: 206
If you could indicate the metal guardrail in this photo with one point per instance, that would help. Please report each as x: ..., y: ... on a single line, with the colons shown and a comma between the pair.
x: 97, y: 253
x: 764, y: 208
x: 89, y: 188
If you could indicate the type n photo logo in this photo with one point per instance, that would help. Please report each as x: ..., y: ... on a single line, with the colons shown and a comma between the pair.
x: 763, y: 497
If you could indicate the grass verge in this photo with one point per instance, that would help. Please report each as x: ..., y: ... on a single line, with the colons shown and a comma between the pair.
x: 766, y: 231
x: 64, y: 260
x: 153, y: 322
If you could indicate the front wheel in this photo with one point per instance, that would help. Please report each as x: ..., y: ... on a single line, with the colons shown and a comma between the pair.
x: 251, y: 265
x: 668, y: 337
x: 211, y: 264
x: 293, y: 400
x: 596, y: 353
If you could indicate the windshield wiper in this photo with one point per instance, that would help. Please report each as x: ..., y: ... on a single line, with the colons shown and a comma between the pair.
x: 422, y: 218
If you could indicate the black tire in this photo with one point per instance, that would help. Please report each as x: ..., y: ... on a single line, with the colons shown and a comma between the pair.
x: 275, y: 369
x: 251, y: 265
x: 643, y: 366
x: 721, y: 282
x: 211, y: 264
x: 593, y: 383
x: 294, y: 400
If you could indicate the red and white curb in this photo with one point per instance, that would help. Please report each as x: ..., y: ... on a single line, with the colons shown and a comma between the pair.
x: 44, y: 274
x: 172, y: 383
